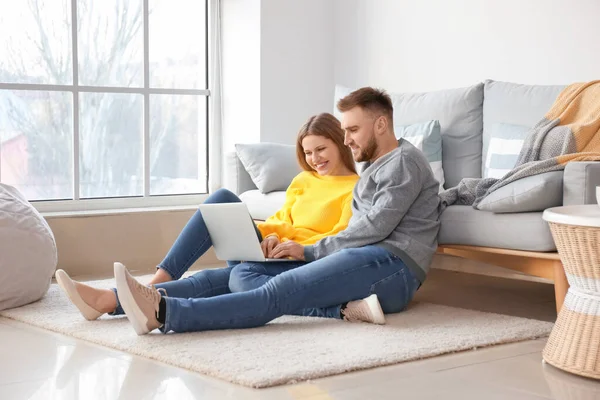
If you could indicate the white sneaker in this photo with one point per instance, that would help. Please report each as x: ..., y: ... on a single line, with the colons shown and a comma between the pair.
x: 140, y: 302
x: 365, y: 310
x: 68, y: 286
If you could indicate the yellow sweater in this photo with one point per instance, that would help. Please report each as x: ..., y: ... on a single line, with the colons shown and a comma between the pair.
x: 315, y: 207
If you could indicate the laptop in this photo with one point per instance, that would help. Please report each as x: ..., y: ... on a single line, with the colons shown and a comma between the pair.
x: 232, y: 233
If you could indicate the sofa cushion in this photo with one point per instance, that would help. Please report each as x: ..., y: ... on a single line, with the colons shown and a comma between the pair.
x: 533, y: 193
x: 262, y: 206
x: 506, y: 142
x: 461, y: 119
x: 460, y: 224
x: 272, y: 166
x: 467, y: 226
x: 427, y: 137
x: 514, y: 104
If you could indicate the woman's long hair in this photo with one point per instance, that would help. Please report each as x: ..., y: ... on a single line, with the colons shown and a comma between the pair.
x: 328, y: 126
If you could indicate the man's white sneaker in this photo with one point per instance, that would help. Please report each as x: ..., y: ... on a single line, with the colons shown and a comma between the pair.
x: 365, y: 310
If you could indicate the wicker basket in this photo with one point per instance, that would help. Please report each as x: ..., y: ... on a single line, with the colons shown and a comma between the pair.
x: 574, y: 344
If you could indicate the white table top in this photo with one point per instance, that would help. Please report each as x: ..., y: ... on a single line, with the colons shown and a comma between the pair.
x: 581, y: 215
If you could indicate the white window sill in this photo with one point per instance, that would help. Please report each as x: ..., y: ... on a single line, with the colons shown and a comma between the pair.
x: 116, y: 211
x: 117, y: 206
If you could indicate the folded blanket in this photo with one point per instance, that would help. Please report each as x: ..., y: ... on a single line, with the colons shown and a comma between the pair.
x: 570, y: 131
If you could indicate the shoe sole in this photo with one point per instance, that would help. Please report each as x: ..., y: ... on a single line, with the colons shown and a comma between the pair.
x: 375, y: 307
x: 134, y: 313
x: 68, y: 286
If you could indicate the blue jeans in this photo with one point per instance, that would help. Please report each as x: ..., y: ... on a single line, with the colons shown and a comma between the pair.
x: 347, y: 275
x: 248, y: 276
x: 193, y: 242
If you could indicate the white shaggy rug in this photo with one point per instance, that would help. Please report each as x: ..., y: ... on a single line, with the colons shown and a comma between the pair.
x: 290, y: 349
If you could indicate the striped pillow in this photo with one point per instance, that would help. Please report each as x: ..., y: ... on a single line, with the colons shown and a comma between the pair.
x: 427, y: 137
x: 505, y: 145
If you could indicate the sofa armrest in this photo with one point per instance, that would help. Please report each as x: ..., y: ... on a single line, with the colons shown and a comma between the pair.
x: 236, y: 178
x: 580, y: 181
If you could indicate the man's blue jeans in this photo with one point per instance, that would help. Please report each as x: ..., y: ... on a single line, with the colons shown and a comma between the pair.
x: 324, y: 284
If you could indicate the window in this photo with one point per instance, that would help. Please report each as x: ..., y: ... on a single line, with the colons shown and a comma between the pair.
x: 104, y: 99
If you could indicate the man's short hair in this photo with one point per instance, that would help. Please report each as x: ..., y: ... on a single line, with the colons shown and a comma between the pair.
x: 374, y: 100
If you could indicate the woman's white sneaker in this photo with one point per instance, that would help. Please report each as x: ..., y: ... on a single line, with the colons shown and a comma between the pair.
x: 68, y: 286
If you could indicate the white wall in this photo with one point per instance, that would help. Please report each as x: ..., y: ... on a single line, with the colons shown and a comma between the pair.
x: 278, y: 61
x: 297, y: 59
x: 410, y: 45
x: 240, y: 35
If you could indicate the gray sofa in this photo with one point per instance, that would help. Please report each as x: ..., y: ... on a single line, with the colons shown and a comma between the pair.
x: 467, y: 117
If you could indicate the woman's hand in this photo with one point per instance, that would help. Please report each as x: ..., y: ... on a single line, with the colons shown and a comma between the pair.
x: 268, y: 244
x: 288, y: 249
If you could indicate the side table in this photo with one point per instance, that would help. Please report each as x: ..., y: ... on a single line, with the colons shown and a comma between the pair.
x: 574, y: 344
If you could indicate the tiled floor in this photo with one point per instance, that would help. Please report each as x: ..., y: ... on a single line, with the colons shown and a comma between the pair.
x: 38, y: 364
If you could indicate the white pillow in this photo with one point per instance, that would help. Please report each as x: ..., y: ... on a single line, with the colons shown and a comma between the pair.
x: 506, y: 142
x: 28, y: 254
x: 427, y: 137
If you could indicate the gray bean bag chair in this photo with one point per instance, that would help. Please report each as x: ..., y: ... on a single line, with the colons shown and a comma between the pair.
x: 27, y: 251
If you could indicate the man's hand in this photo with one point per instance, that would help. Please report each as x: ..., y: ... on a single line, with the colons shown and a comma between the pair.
x: 268, y: 244
x: 288, y: 249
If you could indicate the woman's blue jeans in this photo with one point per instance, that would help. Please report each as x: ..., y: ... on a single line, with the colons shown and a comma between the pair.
x: 191, y: 244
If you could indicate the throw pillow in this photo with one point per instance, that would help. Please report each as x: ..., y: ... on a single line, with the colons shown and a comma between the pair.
x: 272, y: 166
x: 533, y: 193
x: 427, y: 137
x: 506, y: 141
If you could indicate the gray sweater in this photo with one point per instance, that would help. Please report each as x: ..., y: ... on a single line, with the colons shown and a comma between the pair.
x: 395, y: 206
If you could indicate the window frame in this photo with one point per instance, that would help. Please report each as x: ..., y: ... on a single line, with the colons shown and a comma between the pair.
x: 77, y: 204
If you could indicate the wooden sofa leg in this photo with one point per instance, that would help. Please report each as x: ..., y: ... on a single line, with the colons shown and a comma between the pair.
x: 561, y: 285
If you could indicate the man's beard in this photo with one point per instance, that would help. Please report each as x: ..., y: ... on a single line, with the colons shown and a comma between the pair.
x: 369, y: 152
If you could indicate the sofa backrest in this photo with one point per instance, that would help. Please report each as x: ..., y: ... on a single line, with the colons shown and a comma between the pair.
x: 467, y: 117
x: 514, y: 104
x: 460, y: 114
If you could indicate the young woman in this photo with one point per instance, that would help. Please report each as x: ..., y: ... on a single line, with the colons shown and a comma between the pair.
x: 318, y: 204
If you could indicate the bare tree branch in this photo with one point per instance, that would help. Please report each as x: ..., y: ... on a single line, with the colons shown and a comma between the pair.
x: 43, y: 45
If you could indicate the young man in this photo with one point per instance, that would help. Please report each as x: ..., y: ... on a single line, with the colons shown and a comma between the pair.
x: 384, y: 254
